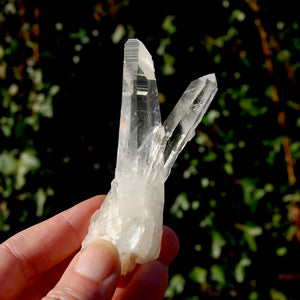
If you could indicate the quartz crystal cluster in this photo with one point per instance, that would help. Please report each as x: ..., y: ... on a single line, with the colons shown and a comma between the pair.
x: 132, y: 214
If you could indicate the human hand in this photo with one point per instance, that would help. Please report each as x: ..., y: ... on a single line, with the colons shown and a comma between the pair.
x: 45, y: 261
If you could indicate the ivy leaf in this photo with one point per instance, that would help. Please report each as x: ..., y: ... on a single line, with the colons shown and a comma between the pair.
x: 218, y: 242
x: 239, y: 272
x: 176, y: 286
x: 217, y: 274
x: 277, y: 295
x: 198, y: 275
x: 28, y: 161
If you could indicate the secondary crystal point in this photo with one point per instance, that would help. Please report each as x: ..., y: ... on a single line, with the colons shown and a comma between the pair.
x: 132, y: 214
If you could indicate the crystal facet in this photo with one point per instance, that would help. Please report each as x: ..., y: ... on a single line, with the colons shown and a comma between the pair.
x: 132, y: 214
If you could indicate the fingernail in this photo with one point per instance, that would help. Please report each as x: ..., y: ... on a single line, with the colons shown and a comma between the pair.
x: 98, y: 261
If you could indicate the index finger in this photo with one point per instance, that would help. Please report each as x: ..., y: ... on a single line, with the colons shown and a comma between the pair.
x: 39, y: 248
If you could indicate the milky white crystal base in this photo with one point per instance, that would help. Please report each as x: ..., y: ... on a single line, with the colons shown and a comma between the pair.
x: 131, y: 216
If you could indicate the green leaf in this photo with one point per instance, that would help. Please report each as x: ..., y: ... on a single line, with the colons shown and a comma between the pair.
x: 208, y: 220
x: 198, y: 275
x: 249, y: 106
x: 204, y: 182
x: 80, y: 34
x: 8, y: 163
x: 181, y: 204
x: 277, y: 295
x: 176, y: 286
x: 295, y: 148
x: 19, y: 129
x: 251, y: 194
x: 118, y: 34
x: 238, y: 15
x: 281, y: 251
x: 228, y: 168
x: 253, y: 295
x: 218, y: 242
x: 217, y: 274
x: 28, y: 161
x: 253, y: 230
x: 276, y: 144
x: 168, y: 67
x: 250, y: 233
x: 210, y: 156
x: 4, y: 214
x: 168, y: 25
x: 161, y: 50
x: 239, y: 272
x: 53, y: 90
x: 211, y: 117
x: 40, y: 199
x: 292, y: 197
x: 7, y: 125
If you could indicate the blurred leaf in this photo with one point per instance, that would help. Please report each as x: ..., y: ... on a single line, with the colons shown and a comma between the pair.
x: 7, y: 125
x: 54, y: 89
x: 19, y: 129
x: 191, y: 170
x: 218, y: 242
x: 195, y: 205
x: 249, y: 187
x: 27, y: 162
x: 253, y: 295
x: 181, y: 204
x: 81, y: 35
x: 249, y: 106
x: 208, y: 220
x: 291, y: 232
x: 198, y: 275
x: 217, y: 274
x: 33, y: 121
x: 176, y: 286
x: 239, y: 272
x: 228, y: 168
x: 40, y: 199
x: 13, y: 90
x: 3, y: 69
x: 59, y: 26
x: 168, y: 25
x: 237, y: 15
x: 211, y: 117
x: 161, y: 50
x: 8, y: 163
x: 295, y: 148
x: 118, y: 34
x: 210, y: 156
x: 281, y: 251
x: 276, y: 144
x: 168, y: 67
x: 4, y: 214
x: 251, y: 231
x: 204, y: 182
x: 276, y: 295
x: 292, y: 197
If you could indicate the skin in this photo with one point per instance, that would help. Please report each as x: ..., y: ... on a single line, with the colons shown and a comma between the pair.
x: 45, y: 261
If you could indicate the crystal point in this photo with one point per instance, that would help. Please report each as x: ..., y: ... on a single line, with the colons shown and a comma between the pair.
x: 132, y: 214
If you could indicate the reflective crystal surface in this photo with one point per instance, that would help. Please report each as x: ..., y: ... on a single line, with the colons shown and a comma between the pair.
x: 132, y: 214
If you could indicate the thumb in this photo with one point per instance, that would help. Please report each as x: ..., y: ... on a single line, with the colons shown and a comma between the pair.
x: 93, y: 274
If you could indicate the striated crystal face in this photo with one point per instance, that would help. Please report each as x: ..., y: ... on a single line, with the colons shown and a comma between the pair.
x: 132, y: 214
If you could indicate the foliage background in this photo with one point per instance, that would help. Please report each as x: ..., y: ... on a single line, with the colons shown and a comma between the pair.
x: 233, y: 196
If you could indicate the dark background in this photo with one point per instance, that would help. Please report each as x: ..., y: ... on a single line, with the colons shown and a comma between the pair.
x: 233, y: 195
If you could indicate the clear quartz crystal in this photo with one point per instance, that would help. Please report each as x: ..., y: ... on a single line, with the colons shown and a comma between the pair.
x: 132, y: 214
